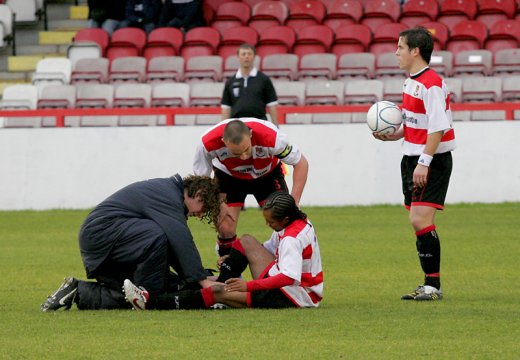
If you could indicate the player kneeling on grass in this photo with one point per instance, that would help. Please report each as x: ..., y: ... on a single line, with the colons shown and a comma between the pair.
x: 286, y: 269
x: 138, y: 233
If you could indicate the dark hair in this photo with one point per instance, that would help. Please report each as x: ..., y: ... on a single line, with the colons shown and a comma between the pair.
x: 281, y: 205
x: 235, y: 131
x: 246, y: 46
x: 420, y: 38
x: 208, y: 191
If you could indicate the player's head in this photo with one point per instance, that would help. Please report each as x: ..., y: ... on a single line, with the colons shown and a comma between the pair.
x: 414, y: 44
x: 237, y: 138
x: 280, y: 210
x: 246, y: 55
x: 202, y: 198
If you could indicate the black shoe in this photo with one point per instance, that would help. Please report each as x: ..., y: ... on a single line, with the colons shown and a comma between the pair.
x: 63, y: 297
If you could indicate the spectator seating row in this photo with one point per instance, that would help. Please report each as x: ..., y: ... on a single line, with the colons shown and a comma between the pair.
x: 323, y: 92
x: 261, y: 14
x: 310, y: 67
x: 466, y: 35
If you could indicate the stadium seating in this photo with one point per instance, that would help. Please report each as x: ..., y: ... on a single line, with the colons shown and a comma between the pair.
x: 281, y: 66
x: 440, y: 34
x: 503, y: 34
x: 165, y: 41
x: 491, y: 11
x: 455, y: 88
x: 385, y: 38
x: 511, y: 88
x: 214, y: 4
x: 363, y: 91
x: 57, y: 97
x: 170, y: 95
x: 126, y: 42
x: 378, y: 12
x: 128, y: 69
x: 305, y: 13
x: 442, y: 62
x: 231, y: 66
x: 467, y: 35
x: 393, y: 89
x: 313, y: 39
x: 200, y: 41
x: 454, y: 11
x: 324, y: 92
x: 506, y: 62
x: 230, y: 15
x: 387, y: 66
x: 52, y: 71
x: 276, y: 40
x: 21, y: 96
x: 481, y: 88
x: 417, y: 12
x: 206, y: 94
x: 93, y: 70
x: 6, y: 25
x: 352, y: 38
x: 133, y: 96
x: 317, y: 66
x: 204, y: 68
x: 343, y: 12
x: 233, y: 38
x: 25, y: 10
x: 165, y: 69
x: 356, y: 65
x: 473, y: 62
x: 290, y: 92
x: 93, y: 96
x: 267, y: 14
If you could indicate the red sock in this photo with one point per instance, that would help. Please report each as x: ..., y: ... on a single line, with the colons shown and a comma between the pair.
x: 208, y: 297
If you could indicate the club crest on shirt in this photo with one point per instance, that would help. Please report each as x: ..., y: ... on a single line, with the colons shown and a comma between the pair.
x: 260, y: 152
x: 416, y: 91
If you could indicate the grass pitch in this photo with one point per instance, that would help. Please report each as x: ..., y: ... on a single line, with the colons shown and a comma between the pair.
x: 369, y: 261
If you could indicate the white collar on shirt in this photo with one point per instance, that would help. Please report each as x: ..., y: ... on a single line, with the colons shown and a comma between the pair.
x: 253, y: 73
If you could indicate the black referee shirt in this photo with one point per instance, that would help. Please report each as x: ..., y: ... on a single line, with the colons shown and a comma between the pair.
x: 248, y: 97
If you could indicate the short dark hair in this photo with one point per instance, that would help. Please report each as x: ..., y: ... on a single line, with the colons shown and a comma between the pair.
x: 281, y: 205
x: 246, y: 46
x: 208, y: 190
x: 419, y: 37
x: 235, y: 131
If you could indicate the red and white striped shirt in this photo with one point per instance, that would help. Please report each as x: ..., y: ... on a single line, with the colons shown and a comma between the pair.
x: 269, y: 147
x: 298, y: 257
x: 426, y: 109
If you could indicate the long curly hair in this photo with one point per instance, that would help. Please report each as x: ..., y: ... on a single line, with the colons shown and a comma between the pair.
x: 208, y: 191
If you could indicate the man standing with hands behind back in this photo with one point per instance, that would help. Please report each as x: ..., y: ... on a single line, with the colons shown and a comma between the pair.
x: 249, y: 91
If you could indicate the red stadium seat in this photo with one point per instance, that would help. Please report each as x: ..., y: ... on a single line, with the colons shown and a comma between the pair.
x: 440, y: 33
x: 267, y: 14
x: 305, y: 13
x: 416, y: 12
x: 200, y: 41
x: 208, y: 13
x: 98, y: 36
x: 385, y: 38
x: 230, y: 15
x: 353, y: 38
x: 504, y: 34
x: 214, y: 4
x: 126, y: 42
x: 166, y: 41
x: 234, y: 37
x: 455, y: 11
x: 467, y: 35
x: 378, y: 12
x: 491, y: 11
x: 276, y: 40
x: 343, y: 12
x: 313, y: 39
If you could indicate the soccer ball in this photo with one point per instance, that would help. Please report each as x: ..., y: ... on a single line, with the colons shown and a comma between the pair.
x: 384, y: 117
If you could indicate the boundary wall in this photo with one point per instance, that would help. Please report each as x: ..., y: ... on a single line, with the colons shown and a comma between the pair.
x: 71, y: 168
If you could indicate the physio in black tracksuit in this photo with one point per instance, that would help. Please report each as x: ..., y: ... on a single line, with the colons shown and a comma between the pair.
x: 138, y: 233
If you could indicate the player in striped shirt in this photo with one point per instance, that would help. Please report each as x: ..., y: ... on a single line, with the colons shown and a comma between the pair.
x: 427, y: 163
x: 286, y: 269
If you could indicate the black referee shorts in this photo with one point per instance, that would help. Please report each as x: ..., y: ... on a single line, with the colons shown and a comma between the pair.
x: 236, y: 190
x: 434, y: 192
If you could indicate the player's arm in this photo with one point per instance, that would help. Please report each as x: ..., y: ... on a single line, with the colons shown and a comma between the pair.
x: 300, y: 172
x: 273, y: 113
x: 270, y: 283
x: 226, y: 112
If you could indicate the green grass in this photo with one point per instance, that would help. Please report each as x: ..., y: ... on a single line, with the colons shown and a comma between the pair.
x: 369, y: 260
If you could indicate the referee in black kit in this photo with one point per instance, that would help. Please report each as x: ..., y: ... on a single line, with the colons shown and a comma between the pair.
x: 249, y: 91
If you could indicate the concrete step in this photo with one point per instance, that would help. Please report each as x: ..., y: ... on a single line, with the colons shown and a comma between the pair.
x: 56, y: 37
x: 79, y: 12
x: 67, y: 24
x: 26, y: 62
x: 37, y: 49
x: 13, y: 77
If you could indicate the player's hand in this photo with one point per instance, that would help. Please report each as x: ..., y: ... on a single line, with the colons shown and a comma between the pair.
x: 235, y: 284
x: 420, y: 176
x: 208, y: 283
x: 385, y: 137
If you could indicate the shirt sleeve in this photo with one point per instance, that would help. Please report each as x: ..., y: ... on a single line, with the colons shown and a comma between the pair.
x: 270, y: 283
x: 270, y: 97
x: 202, y: 163
x: 435, y: 105
x: 285, y: 151
x: 226, y: 95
